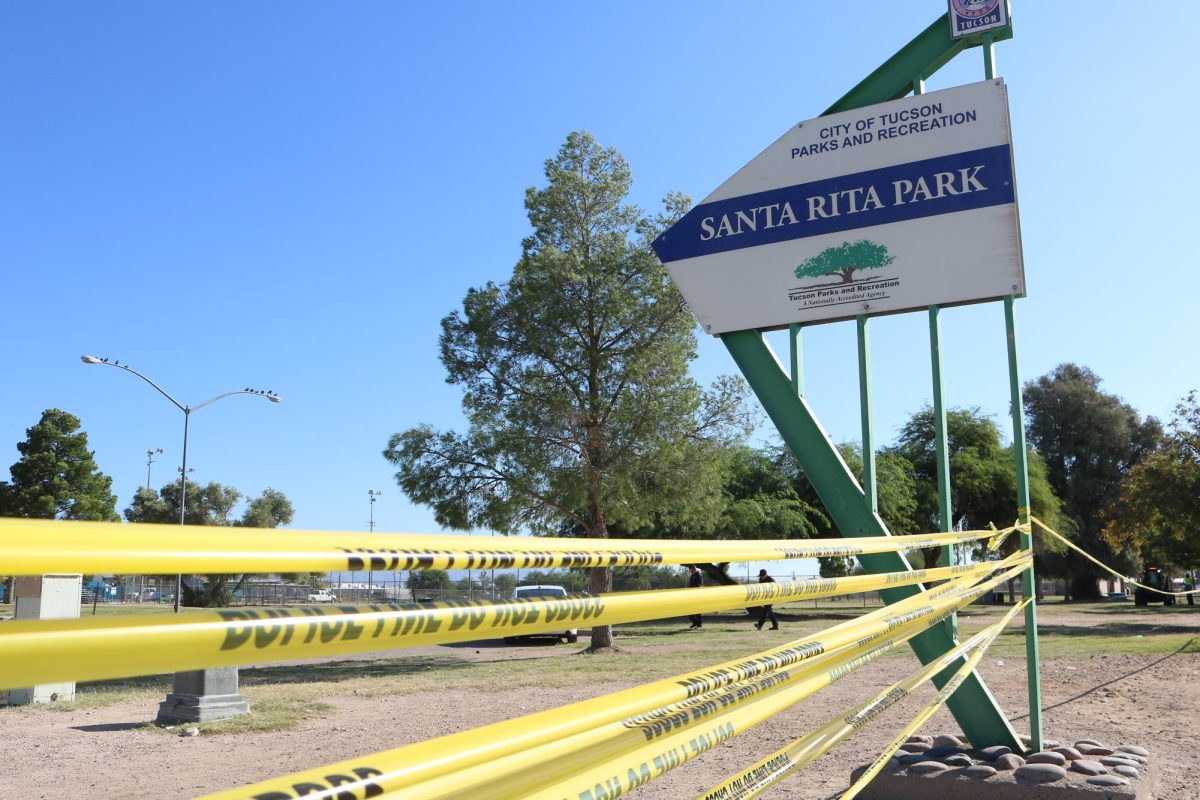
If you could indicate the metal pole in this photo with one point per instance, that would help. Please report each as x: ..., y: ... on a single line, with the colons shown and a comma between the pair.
x: 797, y: 364
x: 989, y: 57
x: 870, y: 490
x: 941, y: 445
x: 1028, y: 580
x: 150, y: 453
x: 187, y: 415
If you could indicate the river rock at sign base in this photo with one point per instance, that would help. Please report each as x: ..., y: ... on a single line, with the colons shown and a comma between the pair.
x: 1047, y: 757
x: 1107, y: 780
x: 994, y: 752
x: 1008, y: 761
x: 1086, y: 767
x: 979, y: 772
x: 1041, y: 773
x: 927, y: 768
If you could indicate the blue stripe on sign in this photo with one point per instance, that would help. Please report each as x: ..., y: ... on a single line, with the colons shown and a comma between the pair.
x: 942, y: 185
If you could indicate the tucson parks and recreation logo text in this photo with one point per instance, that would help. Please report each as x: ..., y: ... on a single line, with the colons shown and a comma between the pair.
x: 841, y: 263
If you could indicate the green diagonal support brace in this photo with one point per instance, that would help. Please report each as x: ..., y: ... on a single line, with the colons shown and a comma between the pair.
x: 917, y: 60
x: 972, y: 705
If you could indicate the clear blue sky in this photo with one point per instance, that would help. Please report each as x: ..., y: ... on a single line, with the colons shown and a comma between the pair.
x: 291, y: 195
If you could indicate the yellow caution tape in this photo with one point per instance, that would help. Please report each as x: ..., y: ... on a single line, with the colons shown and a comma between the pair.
x: 95, y: 648
x: 553, y: 773
x: 404, y: 767
x: 930, y: 709
x: 1101, y: 564
x: 769, y: 771
x: 35, y: 547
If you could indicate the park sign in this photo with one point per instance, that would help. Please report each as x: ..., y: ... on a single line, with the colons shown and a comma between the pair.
x: 886, y: 208
x: 969, y: 17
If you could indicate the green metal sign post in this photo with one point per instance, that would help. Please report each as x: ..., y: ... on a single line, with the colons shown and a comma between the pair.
x: 854, y: 508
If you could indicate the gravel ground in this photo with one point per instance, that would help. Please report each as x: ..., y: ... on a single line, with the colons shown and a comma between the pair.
x: 1153, y: 701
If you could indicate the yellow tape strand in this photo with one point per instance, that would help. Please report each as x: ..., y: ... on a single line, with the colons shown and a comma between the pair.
x: 769, y: 771
x: 928, y: 711
x: 1101, y: 564
x: 425, y: 761
x: 635, y: 767
x: 35, y: 547
x: 95, y: 648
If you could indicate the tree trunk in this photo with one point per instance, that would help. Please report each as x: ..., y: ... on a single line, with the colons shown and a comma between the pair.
x: 602, y: 636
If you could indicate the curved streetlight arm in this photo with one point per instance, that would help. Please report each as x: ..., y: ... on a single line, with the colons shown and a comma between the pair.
x: 187, y: 415
x: 274, y: 398
x: 162, y: 391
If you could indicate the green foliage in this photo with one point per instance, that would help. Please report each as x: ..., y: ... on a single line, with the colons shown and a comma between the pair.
x: 1089, y: 440
x: 844, y: 259
x: 57, y: 476
x: 983, y: 474
x: 760, y: 501
x: 504, y: 584
x: 212, y: 504
x: 1156, y: 511
x: 428, y: 580
x: 575, y: 378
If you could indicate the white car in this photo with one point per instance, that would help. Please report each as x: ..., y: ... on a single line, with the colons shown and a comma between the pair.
x: 543, y: 591
x: 322, y: 596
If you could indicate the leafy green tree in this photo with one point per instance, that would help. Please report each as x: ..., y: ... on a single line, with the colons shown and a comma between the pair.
x: 428, y: 580
x: 504, y: 585
x: 1156, y: 511
x: 895, y: 489
x: 212, y: 504
x: 843, y: 260
x: 983, y: 475
x: 575, y: 379
x: 57, y: 476
x: 1089, y: 440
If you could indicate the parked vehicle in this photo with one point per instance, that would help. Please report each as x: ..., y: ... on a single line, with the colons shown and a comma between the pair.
x: 322, y: 596
x: 1156, y: 579
x: 541, y: 591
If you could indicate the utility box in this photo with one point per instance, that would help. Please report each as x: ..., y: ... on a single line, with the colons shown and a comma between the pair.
x: 45, y: 597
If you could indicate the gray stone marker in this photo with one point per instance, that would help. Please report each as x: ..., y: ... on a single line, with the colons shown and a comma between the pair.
x: 985, y: 774
x: 204, y: 695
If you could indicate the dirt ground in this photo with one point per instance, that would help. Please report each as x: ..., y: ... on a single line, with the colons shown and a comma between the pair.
x: 1153, y: 701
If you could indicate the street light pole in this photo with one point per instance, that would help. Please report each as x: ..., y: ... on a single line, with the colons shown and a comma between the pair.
x: 374, y: 495
x: 187, y: 415
x: 209, y: 694
x: 150, y: 460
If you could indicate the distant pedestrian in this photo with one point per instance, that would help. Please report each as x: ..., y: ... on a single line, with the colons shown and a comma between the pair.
x: 1189, y: 584
x: 695, y: 581
x: 768, y: 611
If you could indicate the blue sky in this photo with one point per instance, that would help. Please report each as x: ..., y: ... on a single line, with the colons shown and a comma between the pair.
x: 291, y: 195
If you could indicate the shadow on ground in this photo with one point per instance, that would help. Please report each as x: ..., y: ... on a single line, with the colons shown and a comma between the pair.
x: 1093, y: 689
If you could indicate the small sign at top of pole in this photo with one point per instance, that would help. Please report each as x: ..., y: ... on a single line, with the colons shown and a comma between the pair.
x: 970, y: 17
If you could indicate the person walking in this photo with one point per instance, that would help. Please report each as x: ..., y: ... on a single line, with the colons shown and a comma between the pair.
x: 768, y: 611
x: 695, y: 581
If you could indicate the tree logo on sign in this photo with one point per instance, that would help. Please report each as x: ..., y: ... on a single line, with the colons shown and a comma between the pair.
x: 842, y: 261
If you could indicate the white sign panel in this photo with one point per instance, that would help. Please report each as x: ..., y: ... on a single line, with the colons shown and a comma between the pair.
x: 887, y: 208
x: 968, y: 17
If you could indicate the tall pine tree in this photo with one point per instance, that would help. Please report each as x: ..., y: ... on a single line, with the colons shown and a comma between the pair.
x: 57, y: 476
x: 575, y: 379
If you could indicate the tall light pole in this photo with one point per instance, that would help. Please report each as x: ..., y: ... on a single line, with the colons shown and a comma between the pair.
x: 374, y: 495
x: 207, y: 694
x: 187, y: 415
x: 150, y: 454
